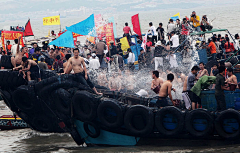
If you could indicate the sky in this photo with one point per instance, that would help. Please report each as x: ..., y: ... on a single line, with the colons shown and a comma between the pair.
x: 22, y: 9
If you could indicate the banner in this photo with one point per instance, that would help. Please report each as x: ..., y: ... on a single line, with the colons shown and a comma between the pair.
x: 91, y: 39
x: 109, y: 34
x: 52, y: 20
x: 144, y: 42
x: 11, y: 35
x: 85, y: 27
x: 100, y: 26
x: 176, y: 16
x: 28, y: 29
x: 65, y: 40
x: 124, y: 44
x: 136, y: 26
x: 111, y: 20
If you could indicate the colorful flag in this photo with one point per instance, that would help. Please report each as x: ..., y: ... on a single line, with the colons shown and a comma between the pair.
x: 52, y: 20
x: 65, y: 40
x: 28, y: 29
x: 109, y: 34
x: 91, y: 39
x: 11, y: 35
x: 136, y: 25
x: 111, y: 20
x: 176, y: 16
x: 144, y: 42
x: 85, y: 27
x: 124, y: 44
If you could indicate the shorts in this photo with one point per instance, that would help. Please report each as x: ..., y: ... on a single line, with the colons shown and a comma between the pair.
x: 163, y: 102
x: 35, y: 71
x: 186, y: 99
x: 194, y: 98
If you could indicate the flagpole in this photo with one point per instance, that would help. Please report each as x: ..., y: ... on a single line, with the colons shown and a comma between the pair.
x: 60, y: 23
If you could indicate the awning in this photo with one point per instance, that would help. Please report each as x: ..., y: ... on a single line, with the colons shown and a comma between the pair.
x: 212, y: 31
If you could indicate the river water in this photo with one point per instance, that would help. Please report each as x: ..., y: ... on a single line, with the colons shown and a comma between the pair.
x: 27, y: 140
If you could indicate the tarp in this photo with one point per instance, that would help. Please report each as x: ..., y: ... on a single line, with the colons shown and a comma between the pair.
x: 11, y: 35
x: 52, y: 20
x: 136, y: 25
x: 109, y: 34
x: 85, y: 27
x: 176, y: 16
x: 65, y: 40
x: 28, y: 29
x: 124, y: 44
x: 212, y: 31
x: 111, y: 20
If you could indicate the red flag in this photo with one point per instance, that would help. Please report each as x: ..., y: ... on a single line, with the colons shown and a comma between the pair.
x: 28, y: 29
x: 109, y: 34
x: 136, y: 25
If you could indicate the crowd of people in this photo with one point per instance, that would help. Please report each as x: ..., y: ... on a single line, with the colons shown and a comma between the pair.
x: 159, y: 67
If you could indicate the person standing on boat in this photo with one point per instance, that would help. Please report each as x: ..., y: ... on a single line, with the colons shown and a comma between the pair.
x: 158, y: 55
x: 8, y: 46
x: 236, y: 45
x: 156, y: 82
x: 100, y: 47
x: 202, y: 71
x: 195, y: 19
x: 127, y: 31
x: 232, y: 79
x: 94, y: 63
x: 141, y: 60
x: 14, y: 47
x: 160, y: 31
x: 170, y: 27
x: 131, y: 59
x: 212, y: 47
x: 153, y: 32
x: 175, y: 40
x: 165, y: 95
x: 190, y: 83
x: 79, y: 68
x: 219, y: 89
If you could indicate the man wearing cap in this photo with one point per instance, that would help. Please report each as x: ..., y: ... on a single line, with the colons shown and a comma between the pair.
x: 158, y: 55
x: 100, y: 47
x: 94, y: 63
x: 196, y: 21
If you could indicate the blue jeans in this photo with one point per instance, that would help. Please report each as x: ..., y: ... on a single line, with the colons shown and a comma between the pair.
x: 198, y: 29
x: 214, y: 56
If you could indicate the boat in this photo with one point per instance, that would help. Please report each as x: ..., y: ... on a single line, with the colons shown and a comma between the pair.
x: 10, y: 122
x: 61, y: 104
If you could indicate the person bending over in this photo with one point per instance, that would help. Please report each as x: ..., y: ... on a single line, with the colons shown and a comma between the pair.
x: 79, y: 68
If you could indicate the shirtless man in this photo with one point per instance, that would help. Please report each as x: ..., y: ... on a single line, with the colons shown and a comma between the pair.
x: 114, y: 83
x: 202, y: 70
x: 56, y: 53
x: 51, y: 53
x: 156, y: 82
x: 185, y: 94
x: 16, y: 61
x: 30, y: 67
x: 79, y: 68
x: 165, y: 95
x: 232, y: 79
x: 65, y: 64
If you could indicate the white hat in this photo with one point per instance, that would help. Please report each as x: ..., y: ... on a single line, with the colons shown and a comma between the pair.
x: 158, y: 43
x: 93, y: 54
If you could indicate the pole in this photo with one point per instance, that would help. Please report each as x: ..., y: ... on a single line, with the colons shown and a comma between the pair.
x: 60, y: 22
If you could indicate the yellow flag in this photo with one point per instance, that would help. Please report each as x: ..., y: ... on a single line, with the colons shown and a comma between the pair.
x: 52, y: 20
x: 125, y: 44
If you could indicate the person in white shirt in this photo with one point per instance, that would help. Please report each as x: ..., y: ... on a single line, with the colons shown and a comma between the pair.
x: 171, y: 26
x: 94, y: 63
x: 174, y: 39
x: 131, y: 59
x: 236, y: 44
x: 14, y: 47
x: 87, y: 60
x: 153, y: 32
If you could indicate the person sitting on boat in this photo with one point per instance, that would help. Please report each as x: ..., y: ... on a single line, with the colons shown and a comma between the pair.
x: 202, y: 71
x: 232, y: 79
x: 195, y: 19
x: 206, y: 23
x: 156, y: 82
x: 165, y: 95
x: 229, y: 48
x: 127, y: 31
x: 17, y: 60
x: 31, y: 67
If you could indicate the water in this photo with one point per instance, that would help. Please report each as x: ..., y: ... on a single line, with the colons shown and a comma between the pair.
x: 27, y: 140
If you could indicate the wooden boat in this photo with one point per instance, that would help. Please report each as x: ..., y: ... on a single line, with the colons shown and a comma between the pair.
x: 9, y: 122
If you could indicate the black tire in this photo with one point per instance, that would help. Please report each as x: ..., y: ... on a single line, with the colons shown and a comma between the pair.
x: 4, y: 80
x: 89, y: 132
x: 24, y: 117
x: 45, y: 74
x: 7, y: 98
x: 220, y: 123
x: 173, y: 125
x: 43, y: 123
x: 139, y: 120
x: 110, y: 113
x: 199, y: 123
x: 25, y: 99
x: 76, y: 136
x: 62, y: 101
x: 85, y: 105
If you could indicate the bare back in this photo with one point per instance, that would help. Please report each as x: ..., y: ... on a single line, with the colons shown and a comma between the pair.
x: 232, y: 80
x: 166, y: 87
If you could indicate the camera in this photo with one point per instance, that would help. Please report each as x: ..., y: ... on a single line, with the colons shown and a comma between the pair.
x: 193, y: 15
